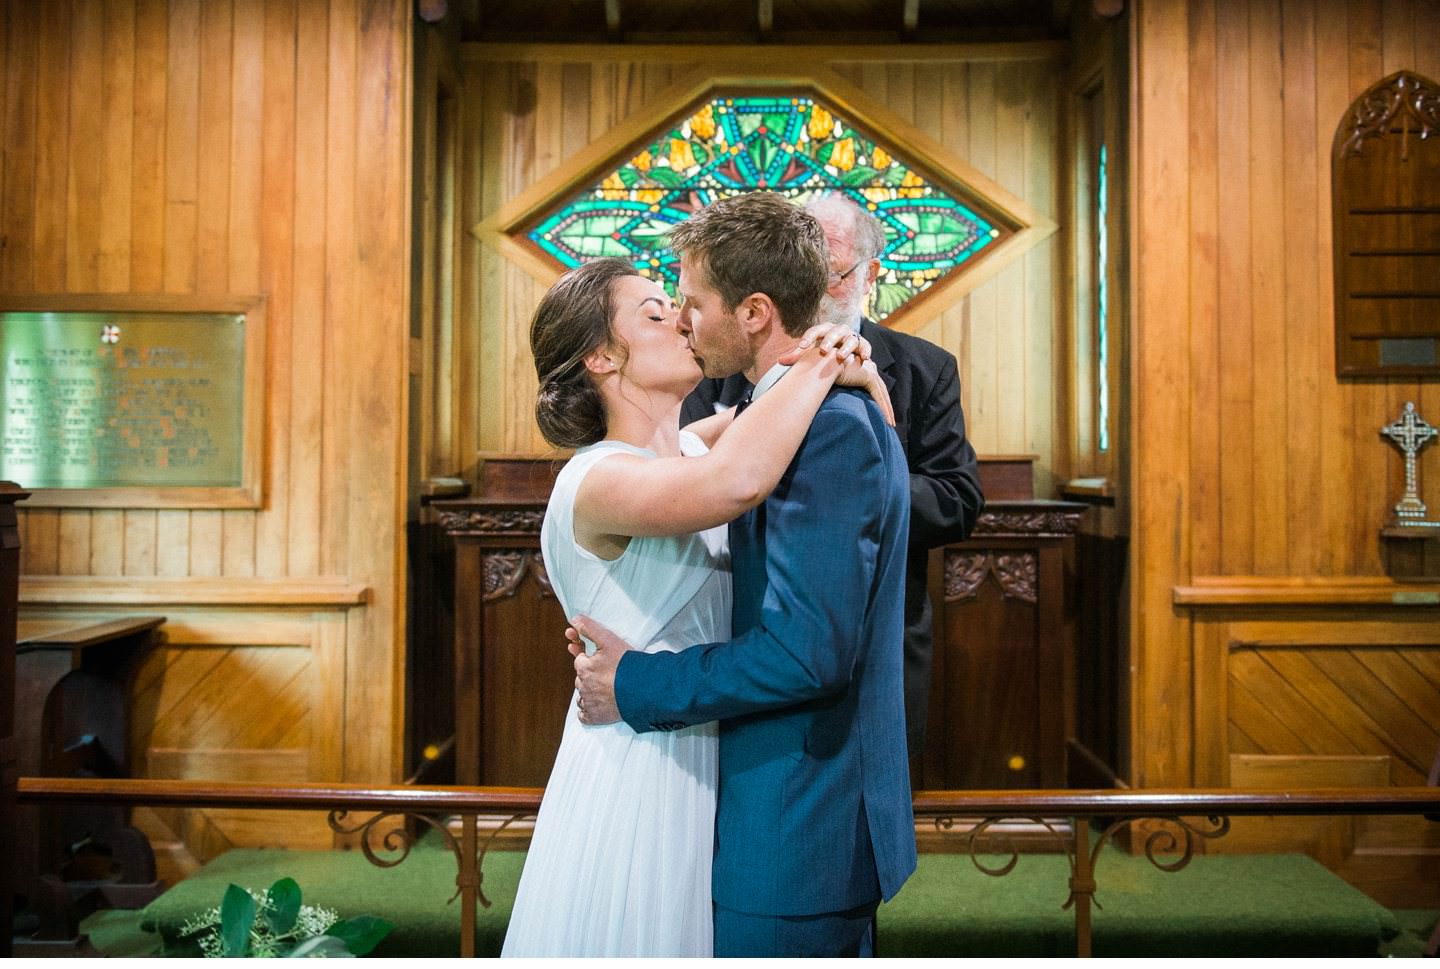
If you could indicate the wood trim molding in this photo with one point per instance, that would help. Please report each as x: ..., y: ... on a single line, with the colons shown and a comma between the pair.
x: 1253, y: 590
x: 86, y: 590
x: 754, y: 57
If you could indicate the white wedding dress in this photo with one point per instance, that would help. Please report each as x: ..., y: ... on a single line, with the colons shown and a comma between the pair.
x: 619, y: 864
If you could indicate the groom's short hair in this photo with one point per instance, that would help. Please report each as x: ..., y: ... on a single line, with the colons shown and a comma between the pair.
x: 759, y: 243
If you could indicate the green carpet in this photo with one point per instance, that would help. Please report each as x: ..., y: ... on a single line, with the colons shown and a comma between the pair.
x: 414, y: 895
x: 1221, y: 905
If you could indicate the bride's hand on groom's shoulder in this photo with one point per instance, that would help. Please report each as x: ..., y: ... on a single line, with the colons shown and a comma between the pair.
x: 830, y: 338
x: 595, y: 671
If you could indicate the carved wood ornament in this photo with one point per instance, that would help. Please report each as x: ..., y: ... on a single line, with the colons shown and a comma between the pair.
x: 504, y: 571
x: 1016, y: 573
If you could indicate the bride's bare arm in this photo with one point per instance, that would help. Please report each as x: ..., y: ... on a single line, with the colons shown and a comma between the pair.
x: 709, y: 429
x: 630, y: 495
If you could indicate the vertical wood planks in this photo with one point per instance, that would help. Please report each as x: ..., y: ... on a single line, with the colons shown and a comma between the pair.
x: 304, y: 482
x: 1161, y: 693
x: 1306, y: 332
x: 1267, y: 282
x: 1204, y: 336
x: 276, y: 251
x: 1233, y: 324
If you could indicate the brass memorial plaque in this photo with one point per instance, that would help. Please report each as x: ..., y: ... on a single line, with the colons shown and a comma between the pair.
x: 123, y: 399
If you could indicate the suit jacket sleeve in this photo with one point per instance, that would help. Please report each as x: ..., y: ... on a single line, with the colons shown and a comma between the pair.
x: 945, y: 496
x: 823, y: 541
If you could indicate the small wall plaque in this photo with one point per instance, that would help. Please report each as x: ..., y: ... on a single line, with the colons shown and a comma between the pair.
x: 129, y: 402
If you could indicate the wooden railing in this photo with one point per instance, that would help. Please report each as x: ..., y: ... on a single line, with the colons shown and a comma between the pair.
x: 1169, y: 845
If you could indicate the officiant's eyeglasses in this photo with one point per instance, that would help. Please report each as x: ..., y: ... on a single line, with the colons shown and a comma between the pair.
x: 838, y: 278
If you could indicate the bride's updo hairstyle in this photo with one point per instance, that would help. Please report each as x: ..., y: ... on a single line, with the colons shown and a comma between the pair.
x: 572, y: 320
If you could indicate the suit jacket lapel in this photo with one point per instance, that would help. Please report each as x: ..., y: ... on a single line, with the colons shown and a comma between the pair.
x: 880, y: 353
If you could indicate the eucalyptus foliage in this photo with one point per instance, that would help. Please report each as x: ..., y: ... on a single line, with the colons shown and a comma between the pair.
x: 253, y: 924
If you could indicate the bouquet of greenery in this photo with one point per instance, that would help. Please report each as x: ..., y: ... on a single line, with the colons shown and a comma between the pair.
x: 274, y: 923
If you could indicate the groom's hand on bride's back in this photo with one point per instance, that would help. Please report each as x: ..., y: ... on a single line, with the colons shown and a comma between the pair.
x: 595, y: 672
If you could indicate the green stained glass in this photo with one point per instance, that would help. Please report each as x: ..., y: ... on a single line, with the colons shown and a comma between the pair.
x: 794, y: 146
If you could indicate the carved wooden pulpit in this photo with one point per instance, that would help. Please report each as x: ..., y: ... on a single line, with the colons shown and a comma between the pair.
x: 1000, y: 709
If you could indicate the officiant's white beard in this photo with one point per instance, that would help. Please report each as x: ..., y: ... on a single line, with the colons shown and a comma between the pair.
x: 849, y: 309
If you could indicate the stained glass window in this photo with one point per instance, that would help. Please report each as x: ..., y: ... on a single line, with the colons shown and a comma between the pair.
x: 791, y: 145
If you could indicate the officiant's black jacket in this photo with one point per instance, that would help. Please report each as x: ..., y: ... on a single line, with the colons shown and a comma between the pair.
x: 945, y: 496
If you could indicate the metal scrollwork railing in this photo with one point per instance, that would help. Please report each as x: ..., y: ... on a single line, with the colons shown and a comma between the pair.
x: 1122, y: 808
x: 1178, y: 838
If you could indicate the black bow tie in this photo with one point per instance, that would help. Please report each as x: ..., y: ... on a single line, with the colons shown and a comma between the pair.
x: 744, y: 402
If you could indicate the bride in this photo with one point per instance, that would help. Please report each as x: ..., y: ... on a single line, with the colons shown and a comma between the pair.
x: 634, y: 536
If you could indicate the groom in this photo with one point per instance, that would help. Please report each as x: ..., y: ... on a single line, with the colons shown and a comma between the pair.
x: 813, y: 823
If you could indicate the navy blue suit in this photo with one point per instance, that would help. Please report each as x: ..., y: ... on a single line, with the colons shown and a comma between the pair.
x: 814, y: 803
x: 945, y: 496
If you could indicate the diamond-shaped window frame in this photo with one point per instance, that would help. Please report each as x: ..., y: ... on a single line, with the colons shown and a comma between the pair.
x: 1017, y: 226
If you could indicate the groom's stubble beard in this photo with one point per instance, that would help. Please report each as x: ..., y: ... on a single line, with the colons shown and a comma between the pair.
x: 732, y: 353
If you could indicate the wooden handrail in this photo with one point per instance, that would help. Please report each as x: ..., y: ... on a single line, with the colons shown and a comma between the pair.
x: 359, y: 797
x: 1117, y: 808
x: 511, y: 800
x: 1178, y: 801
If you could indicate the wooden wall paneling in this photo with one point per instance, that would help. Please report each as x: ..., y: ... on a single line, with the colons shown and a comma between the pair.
x: 148, y: 148
x: 986, y: 391
x: 73, y: 554
x: 150, y: 214
x: 1267, y: 284
x: 107, y: 540
x: 929, y: 115
x: 900, y: 88
x: 1044, y: 382
x: 490, y: 93
x: 85, y: 77
x: 39, y: 541
x: 1210, y: 664
x: 1233, y: 325
x: 470, y: 200
x: 1398, y: 41
x: 549, y: 104
x: 245, y: 219
x: 212, y: 231
x: 327, y: 717
x: 1308, y: 335
x: 1372, y: 490
x: 427, y: 368
x: 275, y: 276
x: 1161, y: 696
x: 457, y: 345
x: 1014, y: 343
x: 117, y: 176
x: 305, y: 480
x: 875, y: 81
x: 1205, y: 337
x: 378, y: 416
x: 576, y: 104
x: 518, y: 156
x: 138, y: 543
x: 954, y: 133
x: 176, y: 238
x: 52, y: 146
x: 17, y: 201
x: 1337, y: 459
x: 341, y: 155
